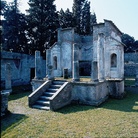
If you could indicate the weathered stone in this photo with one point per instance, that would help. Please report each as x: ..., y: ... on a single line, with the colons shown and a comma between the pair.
x: 8, y: 77
x: 22, y: 68
x: 75, y: 63
x: 49, y: 65
x: 103, y: 49
x: 4, y: 102
x: 94, y: 75
x: 38, y: 64
x: 65, y: 74
x: 136, y: 79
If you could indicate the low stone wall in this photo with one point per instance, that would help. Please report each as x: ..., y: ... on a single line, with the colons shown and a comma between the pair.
x: 89, y: 93
x: 116, y: 88
x: 22, y: 68
x: 4, y: 102
x: 129, y: 70
x: 131, y: 57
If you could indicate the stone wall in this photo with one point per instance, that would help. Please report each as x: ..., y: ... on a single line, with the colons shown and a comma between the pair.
x: 130, y: 59
x: 4, y: 102
x: 22, y: 68
x: 129, y: 70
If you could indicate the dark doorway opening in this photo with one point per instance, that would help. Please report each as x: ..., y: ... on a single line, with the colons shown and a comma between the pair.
x: 32, y: 75
x: 85, y: 68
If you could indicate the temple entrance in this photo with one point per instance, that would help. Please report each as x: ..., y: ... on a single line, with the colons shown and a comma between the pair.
x: 32, y: 73
x: 85, y: 68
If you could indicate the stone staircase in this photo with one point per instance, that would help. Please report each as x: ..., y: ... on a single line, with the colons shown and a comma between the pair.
x: 44, y: 100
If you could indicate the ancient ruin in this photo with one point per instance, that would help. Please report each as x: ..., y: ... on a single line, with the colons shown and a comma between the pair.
x: 7, y: 90
x: 99, y: 56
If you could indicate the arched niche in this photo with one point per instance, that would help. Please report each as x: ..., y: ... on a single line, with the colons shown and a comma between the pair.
x: 113, y: 60
x: 55, y: 62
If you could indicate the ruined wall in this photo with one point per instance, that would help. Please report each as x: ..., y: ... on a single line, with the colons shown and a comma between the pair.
x: 22, y: 68
x: 130, y: 60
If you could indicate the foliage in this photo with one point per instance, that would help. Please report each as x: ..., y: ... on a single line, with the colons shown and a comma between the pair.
x: 93, y: 20
x: 66, y: 18
x: 42, y: 24
x: 83, y: 17
x: 129, y: 41
x: 37, y: 30
x: 13, y: 29
x: 115, y: 118
x: 3, y: 7
x: 77, y: 12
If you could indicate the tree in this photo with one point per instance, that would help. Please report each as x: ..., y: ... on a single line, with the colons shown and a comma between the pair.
x: 93, y: 21
x: 13, y: 29
x: 135, y: 46
x: 77, y: 12
x: 85, y: 19
x: 66, y: 19
x: 42, y: 24
x: 128, y: 41
x: 3, y: 7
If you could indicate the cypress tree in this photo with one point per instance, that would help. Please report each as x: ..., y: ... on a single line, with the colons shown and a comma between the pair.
x: 42, y: 24
x: 13, y: 29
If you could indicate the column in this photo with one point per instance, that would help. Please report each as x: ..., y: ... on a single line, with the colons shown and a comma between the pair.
x: 75, y: 71
x: 101, y: 56
x: 38, y: 65
x: 94, y: 73
x: 49, y: 67
x: 8, y: 76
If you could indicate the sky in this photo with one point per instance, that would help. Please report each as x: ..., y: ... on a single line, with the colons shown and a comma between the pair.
x: 123, y: 13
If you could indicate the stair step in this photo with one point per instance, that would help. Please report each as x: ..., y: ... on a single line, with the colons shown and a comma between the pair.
x: 58, y: 82
x: 43, y: 102
x: 45, y: 97
x: 48, y: 93
x: 55, y: 86
x: 41, y: 107
x: 52, y: 90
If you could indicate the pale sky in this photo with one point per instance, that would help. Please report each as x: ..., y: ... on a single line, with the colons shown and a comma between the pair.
x: 124, y: 13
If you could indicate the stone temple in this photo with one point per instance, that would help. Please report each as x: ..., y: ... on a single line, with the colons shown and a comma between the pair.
x: 99, y: 56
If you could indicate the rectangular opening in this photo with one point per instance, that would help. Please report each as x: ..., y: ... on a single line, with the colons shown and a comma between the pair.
x: 85, y: 68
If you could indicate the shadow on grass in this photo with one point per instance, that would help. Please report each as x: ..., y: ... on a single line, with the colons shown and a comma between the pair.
x: 18, y: 95
x: 10, y: 121
x: 72, y: 108
x: 128, y: 104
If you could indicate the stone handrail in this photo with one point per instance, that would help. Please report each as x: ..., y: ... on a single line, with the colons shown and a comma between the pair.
x: 38, y: 92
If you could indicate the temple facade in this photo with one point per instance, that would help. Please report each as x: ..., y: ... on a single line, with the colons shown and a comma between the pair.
x: 100, y: 55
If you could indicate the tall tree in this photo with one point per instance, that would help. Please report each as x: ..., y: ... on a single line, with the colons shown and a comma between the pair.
x: 135, y: 46
x: 77, y: 12
x: 42, y: 24
x: 129, y: 42
x: 13, y: 29
x: 66, y: 19
x: 93, y: 20
x: 85, y: 19
x: 3, y: 7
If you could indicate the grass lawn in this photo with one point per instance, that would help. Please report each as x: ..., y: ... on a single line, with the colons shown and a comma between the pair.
x: 114, y: 118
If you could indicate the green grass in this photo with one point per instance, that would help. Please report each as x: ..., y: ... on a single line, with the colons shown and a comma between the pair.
x: 114, y: 118
x: 129, y: 81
